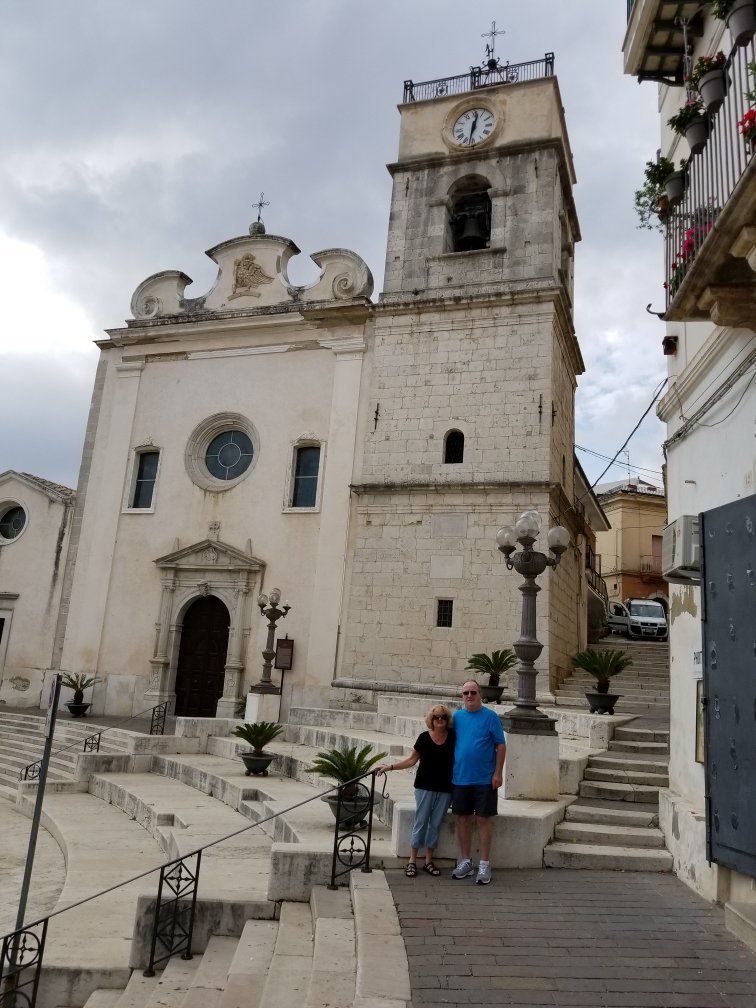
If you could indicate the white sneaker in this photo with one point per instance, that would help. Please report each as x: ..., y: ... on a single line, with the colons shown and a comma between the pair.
x: 484, y: 875
x: 463, y: 869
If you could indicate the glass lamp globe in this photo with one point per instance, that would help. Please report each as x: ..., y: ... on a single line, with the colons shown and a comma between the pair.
x: 506, y: 538
x: 275, y: 596
x: 558, y: 539
x: 262, y: 600
x: 529, y: 524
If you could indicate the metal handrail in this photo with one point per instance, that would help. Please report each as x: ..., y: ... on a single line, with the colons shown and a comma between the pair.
x: 712, y: 175
x: 23, y: 949
x: 480, y: 77
x: 91, y: 743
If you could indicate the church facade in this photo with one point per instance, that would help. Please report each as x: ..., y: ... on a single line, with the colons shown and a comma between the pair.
x: 359, y: 455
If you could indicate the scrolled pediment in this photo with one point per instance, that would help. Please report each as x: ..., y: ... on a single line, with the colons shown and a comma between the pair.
x: 252, y: 274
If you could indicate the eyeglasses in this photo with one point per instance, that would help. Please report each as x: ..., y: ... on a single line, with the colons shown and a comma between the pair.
x: 469, y: 692
x: 440, y: 717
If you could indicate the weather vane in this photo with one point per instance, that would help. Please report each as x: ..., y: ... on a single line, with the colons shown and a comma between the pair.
x: 491, y: 47
x: 262, y: 202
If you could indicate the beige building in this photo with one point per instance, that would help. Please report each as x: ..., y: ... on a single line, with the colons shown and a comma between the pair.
x: 35, y: 525
x: 709, y: 337
x: 359, y: 455
x: 631, y: 550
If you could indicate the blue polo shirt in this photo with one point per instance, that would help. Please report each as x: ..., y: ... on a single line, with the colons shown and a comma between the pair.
x: 477, y: 735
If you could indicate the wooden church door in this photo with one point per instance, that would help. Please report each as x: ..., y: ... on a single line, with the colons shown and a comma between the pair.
x: 202, y: 658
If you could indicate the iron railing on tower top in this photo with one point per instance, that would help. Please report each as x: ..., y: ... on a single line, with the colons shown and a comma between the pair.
x: 489, y: 75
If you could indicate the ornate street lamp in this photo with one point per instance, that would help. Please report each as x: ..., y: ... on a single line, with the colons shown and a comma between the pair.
x: 525, y: 715
x: 269, y: 608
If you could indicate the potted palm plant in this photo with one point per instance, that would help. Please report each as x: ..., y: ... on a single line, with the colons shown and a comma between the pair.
x: 345, y: 766
x: 78, y: 682
x: 708, y: 77
x: 739, y: 16
x: 258, y: 735
x: 602, y: 665
x: 493, y: 666
x: 692, y: 123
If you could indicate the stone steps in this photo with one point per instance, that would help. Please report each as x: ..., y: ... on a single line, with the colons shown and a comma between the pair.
x: 652, y: 748
x: 603, y: 829
x: 341, y: 949
x: 616, y: 815
x: 610, y: 834
x: 618, y: 776
x: 617, y: 858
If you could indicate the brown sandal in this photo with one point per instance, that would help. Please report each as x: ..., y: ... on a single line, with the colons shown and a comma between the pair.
x: 411, y: 870
x: 431, y: 869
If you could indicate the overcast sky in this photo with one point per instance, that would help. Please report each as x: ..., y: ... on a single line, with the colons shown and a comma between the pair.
x: 138, y: 133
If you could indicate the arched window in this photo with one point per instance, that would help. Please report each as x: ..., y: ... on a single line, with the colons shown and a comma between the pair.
x: 469, y: 214
x: 454, y: 447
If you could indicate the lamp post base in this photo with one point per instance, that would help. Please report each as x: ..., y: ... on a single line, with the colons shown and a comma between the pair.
x: 262, y: 706
x: 528, y: 721
x: 531, y: 771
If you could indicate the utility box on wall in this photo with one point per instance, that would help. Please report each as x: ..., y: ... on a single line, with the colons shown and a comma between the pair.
x: 681, y: 557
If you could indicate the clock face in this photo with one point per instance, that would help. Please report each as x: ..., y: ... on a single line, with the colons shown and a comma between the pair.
x: 472, y: 127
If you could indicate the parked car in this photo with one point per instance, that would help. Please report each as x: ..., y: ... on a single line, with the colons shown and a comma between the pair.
x: 638, y: 618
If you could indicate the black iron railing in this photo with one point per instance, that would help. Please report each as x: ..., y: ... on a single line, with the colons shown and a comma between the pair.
x: 92, y: 742
x: 712, y: 174
x: 480, y: 77
x: 598, y: 584
x: 21, y: 957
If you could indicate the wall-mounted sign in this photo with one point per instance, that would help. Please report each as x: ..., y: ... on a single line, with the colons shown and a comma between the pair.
x: 284, y: 654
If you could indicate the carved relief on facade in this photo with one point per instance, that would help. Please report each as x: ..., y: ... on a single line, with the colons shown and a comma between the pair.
x: 248, y: 276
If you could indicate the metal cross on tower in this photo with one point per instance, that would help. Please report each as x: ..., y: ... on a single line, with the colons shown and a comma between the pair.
x: 491, y: 47
x: 262, y: 202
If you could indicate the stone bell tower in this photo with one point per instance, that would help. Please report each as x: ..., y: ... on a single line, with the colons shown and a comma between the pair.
x: 471, y: 412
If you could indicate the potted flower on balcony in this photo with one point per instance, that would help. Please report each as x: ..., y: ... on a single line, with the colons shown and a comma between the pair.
x: 651, y: 200
x: 708, y: 77
x: 258, y: 735
x: 692, y: 123
x: 739, y: 16
x: 747, y: 127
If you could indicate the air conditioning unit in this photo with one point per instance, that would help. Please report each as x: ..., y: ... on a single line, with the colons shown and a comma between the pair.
x: 681, y: 557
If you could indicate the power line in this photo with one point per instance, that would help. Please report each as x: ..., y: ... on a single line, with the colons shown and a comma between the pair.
x: 588, y: 451
x: 657, y: 393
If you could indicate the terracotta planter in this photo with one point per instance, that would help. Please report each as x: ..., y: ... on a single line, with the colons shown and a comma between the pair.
x: 741, y: 22
x: 697, y: 134
x: 674, y: 186
x: 713, y: 87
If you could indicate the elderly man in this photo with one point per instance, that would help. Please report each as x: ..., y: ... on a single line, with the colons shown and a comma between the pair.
x: 478, y: 773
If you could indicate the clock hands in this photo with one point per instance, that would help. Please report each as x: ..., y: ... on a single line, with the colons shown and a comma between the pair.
x: 472, y: 128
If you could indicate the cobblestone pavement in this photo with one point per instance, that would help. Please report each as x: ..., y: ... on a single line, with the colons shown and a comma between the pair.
x: 569, y: 938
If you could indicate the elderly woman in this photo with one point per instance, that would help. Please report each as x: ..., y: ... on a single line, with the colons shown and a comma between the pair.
x: 434, y: 751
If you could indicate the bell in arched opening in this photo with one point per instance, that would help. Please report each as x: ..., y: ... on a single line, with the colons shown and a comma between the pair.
x: 470, y: 216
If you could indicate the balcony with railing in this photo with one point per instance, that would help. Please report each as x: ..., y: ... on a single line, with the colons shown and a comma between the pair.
x: 651, y: 565
x: 711, y: 231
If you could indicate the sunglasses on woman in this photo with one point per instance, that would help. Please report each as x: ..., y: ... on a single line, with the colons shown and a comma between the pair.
x: 440, y: 717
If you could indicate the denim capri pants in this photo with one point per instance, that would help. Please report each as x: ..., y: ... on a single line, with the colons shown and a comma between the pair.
x: 430, y: 809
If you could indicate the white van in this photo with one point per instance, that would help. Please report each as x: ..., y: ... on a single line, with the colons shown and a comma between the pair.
x: 638, y: 618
